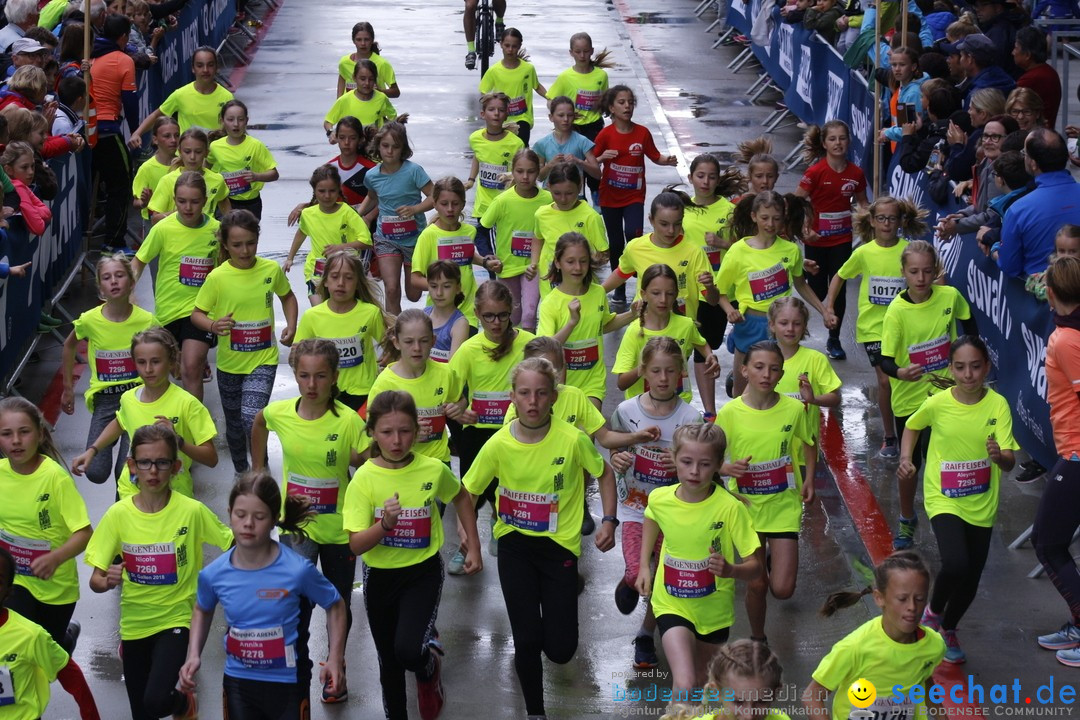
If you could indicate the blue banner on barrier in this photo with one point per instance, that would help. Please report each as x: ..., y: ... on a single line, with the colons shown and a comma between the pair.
x: 738, y: 16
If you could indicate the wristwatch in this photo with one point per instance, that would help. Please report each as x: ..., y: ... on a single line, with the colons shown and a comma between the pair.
x: 611, y: 519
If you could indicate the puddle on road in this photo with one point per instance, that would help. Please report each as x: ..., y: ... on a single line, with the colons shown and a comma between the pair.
x: 655, y: 18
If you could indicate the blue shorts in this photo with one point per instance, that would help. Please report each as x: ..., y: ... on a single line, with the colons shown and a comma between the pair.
x: 753, y: 328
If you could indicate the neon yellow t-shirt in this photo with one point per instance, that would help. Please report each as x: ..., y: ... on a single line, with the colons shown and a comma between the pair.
x: 376, y: 111
x: 187, y: 257
x: 823, y: 379
x: 882, y: 280
x: 683, y: 585
x: 355, y: 334
x: 384, y: 76
x: 514, y: 220
x: 583, y: 351
x: 495, y: 158
x: 552, y: 223
x: 32, y: 660
x: 757, y: 277
x: 681, y: 329
x: 518, y: 83
x: 488, y: 381
x: 770, y: 438
x: 109, y: 348
x: 438, y: 386
x: 315, y: 461
x: 871, y: 654
x: 193, y: 109
x: 921, y: 333
x: 585, y: 89
x: 190, y: 418
x: 39, y: 513
x: 419, y: 533
x: 686, y: 259
x: 342, y: 226
x: 960, y: 478
x: 162, y: 556
x: 249, y: 296
x: 232, y: 160
x: 164, y: 198
x: 148, y: 175
x: 456, y: 246
x: 572, y: 407
x: 708, y: 219
x: 541, y: 485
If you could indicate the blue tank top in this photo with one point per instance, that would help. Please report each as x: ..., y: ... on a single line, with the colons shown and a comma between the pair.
x: 441, y: 351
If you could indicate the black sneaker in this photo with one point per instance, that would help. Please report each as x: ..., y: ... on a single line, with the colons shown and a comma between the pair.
x: 1032, y: 471
x: 74, y: 629
x: 645, y: 653
x: 729, y: 384
x: 470, y: 60
x: 626, y: 598
x: 835, y: 350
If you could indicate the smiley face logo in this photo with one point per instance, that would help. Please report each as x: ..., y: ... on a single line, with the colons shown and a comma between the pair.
x: 862, y: 693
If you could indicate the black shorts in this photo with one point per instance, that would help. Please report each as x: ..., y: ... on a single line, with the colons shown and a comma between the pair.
x: 716, y: 637
x: 780, y: 535
x: 183, y: 329
x: 873, y: 352
x: 712, y: 324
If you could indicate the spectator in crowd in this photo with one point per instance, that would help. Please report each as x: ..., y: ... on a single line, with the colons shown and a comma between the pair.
x: 918, y: 144
x: 21, y: 16
x: 26, y: 51
x: 1012, y: 177
x: 1000, y: 23
x: 953, y: 35
x: 822, y: 17
x: 1026, y: 107
x: 938, y: 21
x: 1030, y: 56
x: 978, y: 60
x: 934, y: 64
x: 983, y: 188
x: 963, y: 145
x: 1029, y: 227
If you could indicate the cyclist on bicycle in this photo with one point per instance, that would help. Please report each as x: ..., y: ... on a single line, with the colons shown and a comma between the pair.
x: 469, y: 22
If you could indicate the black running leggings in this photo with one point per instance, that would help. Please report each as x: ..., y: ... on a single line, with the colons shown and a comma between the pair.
x: 829, y: 260
x: 1055, y: 522
x: 539, y: 584
x: 963, y: 548
x: 402, y: 606
x: 53, y: 618
x: 151, y: 669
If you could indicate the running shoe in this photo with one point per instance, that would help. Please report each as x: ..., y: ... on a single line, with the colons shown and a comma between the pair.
x: 729, y: 384
x: 1067, y: 638
x: 709, y: 418
x: 207, y: 373
x: 191, y: 706
x: 890, y: 449
x: 1069, y: 657
x: 47, y: 319
x: 429, y: 693
x: 953, y: 653
x: 645, y: 653
x: 588, y: 524
x: 500, y: 28
x: 329, y: 697
x: 931, y: 619
x: 470, y: 60
x: 626, y: 598
x: 834, y: 349
x: 905, y: 536
x: 456, y: 566
x: 1032, y: 471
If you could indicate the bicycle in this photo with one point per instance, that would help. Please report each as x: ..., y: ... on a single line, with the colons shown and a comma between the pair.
x: 485, y: 34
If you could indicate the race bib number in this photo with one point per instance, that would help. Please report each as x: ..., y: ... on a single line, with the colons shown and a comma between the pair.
x: 320, y: 267
x: 518, y: 106
x: 322, y: 492
x: 24, y: 550
x: 767, y: 478
x: 153, y: 564
x: 251, y: 336
x: 350, y: 351
x: 960, y: 479
x: 769, y: 283
x: 396, y: 228
x: 490, y: 407
x: 432, y: 424
x: 193, y: 270
x: 261, y: 648
x: 490, y: 176
x: 886, y: 709
x: 650, y: 465
x: 834, y: 223
x: 438, y: 355
x: 581, y: 354
x: 521, y: 243
x: 931, y: 355
x: 458, y: 250
x: 7, y: 687
x: 688, y: 578
x: 413, y: 529
x: 715, y: 255
x: 882, y: 290
x: 538, y: 512
x: 115, y: 366
x: 586, y: 100
x: 236, y: 181
x: 625, y: 177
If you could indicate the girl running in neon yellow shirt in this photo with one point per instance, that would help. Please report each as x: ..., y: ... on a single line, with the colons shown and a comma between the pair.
x: 194, y: 149
x: 515, y: 76
x: 567, y: 213
x: 166, y: 140
x: 494, y: 148
x: 366, y: 103
x: 197, y: 104
x: 363, y: 37
x: 244, y: 162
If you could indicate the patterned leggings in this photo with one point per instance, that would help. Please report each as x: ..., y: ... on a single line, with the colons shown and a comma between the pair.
x: 242, y: 397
